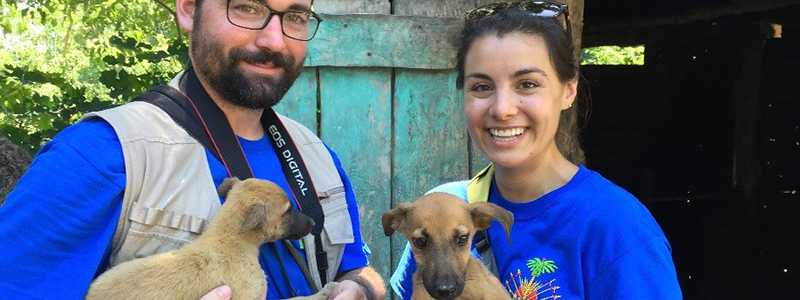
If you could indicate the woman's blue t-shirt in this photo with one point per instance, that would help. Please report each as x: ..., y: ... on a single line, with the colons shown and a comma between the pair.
x: 588, y: 239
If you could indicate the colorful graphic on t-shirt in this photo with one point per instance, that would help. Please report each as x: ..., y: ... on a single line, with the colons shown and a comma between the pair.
x: 524, y: 288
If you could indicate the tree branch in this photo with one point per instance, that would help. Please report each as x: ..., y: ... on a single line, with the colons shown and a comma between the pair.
x: 174, y: 17
x: 169, y: 9
x: 68, y: 11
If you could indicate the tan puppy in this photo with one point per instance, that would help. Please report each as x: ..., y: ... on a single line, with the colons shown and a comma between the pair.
x: 255, y: 211
x: 440, y: 228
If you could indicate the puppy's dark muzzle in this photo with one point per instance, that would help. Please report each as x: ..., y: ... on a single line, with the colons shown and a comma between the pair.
x: 298, y: 226
x: 446, y: 288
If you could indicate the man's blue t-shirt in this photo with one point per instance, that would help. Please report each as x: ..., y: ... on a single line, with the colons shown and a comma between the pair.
x: 588, y: 239
x: 56, y: 226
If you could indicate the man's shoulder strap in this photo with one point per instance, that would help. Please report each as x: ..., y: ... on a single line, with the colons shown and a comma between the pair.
x: 186, y: 113
x: 174, y: 103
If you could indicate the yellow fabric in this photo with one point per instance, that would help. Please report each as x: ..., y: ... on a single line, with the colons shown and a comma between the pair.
x: 478, y: 187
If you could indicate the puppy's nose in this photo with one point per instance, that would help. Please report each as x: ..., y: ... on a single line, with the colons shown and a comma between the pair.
x: 445, y: 291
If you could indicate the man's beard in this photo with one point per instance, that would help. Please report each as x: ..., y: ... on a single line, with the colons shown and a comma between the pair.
x: 223, y: 74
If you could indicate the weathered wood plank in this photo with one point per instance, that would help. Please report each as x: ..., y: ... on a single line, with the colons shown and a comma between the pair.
x: 356, y: 122
x: 432, y: 8
x: 746, y: 103
x: 384, y: 41
x: 416, y: 42
x: 341, y: 7
x: 300, y: 102
x: 430, y: 139
x: 711, y: 12
x: 484, y: 2
x: 576, y: 19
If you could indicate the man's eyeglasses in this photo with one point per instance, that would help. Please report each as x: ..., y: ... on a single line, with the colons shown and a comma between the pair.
x: 540, y: 8
x: 254, y: 14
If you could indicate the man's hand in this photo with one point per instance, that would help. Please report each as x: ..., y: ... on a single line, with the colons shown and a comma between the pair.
x: 348, y: 290
x: 220, y: 293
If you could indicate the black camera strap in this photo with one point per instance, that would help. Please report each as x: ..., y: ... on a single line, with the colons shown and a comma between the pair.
x: 303, y: 189
x: 204, y: 121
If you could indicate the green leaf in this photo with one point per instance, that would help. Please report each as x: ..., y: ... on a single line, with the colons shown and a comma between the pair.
x: 60, y: 59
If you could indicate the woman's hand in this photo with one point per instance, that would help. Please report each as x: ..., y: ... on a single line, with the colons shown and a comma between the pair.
x: 220, y: 293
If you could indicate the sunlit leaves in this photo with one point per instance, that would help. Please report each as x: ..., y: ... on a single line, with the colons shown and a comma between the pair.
x: 60, y: 59
x: 613, y: 55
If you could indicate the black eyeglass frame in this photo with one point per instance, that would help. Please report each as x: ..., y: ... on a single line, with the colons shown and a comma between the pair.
x: 535, y: 7
x: 273, y: 12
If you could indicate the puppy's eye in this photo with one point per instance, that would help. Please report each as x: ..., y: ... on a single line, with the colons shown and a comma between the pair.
x: 420, y: 243
x: 462, y: 240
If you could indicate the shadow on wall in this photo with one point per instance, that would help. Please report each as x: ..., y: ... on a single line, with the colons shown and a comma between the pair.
x: 13, y: 162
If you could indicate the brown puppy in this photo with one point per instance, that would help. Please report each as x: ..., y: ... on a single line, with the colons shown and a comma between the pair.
x: 255, y: 211
x: 440, y: 228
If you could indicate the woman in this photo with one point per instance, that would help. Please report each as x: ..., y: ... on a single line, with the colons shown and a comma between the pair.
x: 576, y: 235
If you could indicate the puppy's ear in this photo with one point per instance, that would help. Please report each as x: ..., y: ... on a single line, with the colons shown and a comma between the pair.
x: 483, y: 213
x: 394, y: 218
x: 254, y: 217
x: 227, y: 185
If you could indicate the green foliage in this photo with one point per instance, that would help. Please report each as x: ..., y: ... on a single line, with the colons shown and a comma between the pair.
x: 62, y: 58
x: 613, y: 55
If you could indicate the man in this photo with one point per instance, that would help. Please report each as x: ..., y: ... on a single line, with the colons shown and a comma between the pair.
x: 129, y: 182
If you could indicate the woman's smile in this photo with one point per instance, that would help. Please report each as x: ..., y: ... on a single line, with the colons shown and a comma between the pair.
x: 508, y: 136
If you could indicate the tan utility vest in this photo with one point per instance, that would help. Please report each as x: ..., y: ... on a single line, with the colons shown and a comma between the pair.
x: 170, y: 196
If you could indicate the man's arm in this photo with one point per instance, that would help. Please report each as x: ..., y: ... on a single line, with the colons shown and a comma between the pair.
x: 57, y: 224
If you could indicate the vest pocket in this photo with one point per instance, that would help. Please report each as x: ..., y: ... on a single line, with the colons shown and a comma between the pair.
x: 154, y: 231
x: 338, y: 226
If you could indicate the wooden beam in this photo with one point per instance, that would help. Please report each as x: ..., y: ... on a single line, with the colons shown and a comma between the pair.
x: 300, y: 102
x: 356, y: 112
x: 384, y: 41
x: 432, y: 8
x: 576, y: 20
x: 415, y: 42
x: 742, y: 7
x: 341, y: 7
x: 745, y: 98
x: 728, y: 30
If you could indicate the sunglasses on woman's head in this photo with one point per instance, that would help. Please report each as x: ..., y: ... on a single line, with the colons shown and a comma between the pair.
x: 539, y: 8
